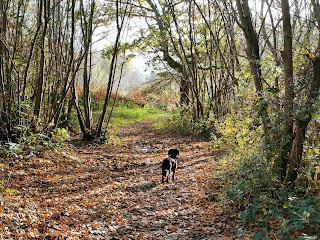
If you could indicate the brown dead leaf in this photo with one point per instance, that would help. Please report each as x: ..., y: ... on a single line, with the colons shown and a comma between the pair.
x: 111, y: 190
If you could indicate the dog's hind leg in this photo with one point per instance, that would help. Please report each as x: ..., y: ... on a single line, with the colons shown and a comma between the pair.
x: 167, y: 175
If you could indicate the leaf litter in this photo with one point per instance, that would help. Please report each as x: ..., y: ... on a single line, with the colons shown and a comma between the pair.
x: 114, y: 191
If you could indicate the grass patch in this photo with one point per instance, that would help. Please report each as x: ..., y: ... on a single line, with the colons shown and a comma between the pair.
x: 125, y: 111
x: 124, y: 114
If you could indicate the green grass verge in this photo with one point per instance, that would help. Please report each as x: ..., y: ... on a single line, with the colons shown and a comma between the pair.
x: 123, y: 114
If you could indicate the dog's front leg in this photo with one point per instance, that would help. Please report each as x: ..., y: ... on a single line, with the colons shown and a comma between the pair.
x: 168, y: 173
x: 173, y: 172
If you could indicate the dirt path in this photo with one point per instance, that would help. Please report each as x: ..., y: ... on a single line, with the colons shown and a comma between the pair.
x: 113, y: 191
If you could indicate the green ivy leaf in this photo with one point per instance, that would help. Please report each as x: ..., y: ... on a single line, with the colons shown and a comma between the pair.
x: 261, y: 235
x: 316, y: 219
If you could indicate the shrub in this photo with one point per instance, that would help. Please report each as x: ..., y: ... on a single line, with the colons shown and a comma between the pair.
x: 181, y: 122
x: 263, y: 203
x: 31, y: 144
x: 258, y: 198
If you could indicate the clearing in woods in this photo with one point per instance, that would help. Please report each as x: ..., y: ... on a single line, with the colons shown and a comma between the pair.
x: 113, y: 191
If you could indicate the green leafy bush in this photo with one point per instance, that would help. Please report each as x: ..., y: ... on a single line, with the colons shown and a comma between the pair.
x: 258, y: 198
x: 60, y: 135
x: 177, y: 123
x: 181, y: 122
x: 33, y: 144
x: 262, y: 202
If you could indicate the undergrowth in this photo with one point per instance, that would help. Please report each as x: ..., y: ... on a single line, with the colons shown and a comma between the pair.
x: 33, y: 144
x: 263, y: 203
x: 181, y: 122
x: 266, y: 206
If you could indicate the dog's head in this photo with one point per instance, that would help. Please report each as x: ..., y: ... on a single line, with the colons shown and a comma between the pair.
x: 173, y: 152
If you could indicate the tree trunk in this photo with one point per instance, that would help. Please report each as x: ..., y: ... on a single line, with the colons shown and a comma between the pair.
x: 184, y: 92
x: 87, y: 30
x: 44, y: 5
x: 287, y: 132
x: 253, y: 54
x: 120, y: 18
x: 305, y: 115
x: 185, y: 87
x: 302, y: 120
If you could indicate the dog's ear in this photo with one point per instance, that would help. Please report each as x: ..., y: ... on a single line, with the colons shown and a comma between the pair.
x: 177, y: 152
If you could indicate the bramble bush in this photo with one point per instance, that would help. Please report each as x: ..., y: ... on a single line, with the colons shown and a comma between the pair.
x: 259, y: 199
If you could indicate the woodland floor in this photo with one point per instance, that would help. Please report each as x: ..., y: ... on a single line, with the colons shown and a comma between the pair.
x: 114, y: 191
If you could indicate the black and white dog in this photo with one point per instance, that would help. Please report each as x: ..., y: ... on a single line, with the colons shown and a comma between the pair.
x: 169, y: 164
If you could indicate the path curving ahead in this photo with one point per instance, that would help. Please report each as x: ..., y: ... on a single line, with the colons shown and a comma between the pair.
x: 113, y: 191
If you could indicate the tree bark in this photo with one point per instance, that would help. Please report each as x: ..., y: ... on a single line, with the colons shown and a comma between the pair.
x: 87, y: 30
x: 163, y: 32
x: 253, y: 54
x: 303, y: 117
x: 302, y: 120
x: 120, y: 18
x: 44, y: 6
x: 287, y: 132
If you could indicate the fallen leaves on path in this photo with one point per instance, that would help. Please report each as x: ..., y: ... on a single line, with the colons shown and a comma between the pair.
x: 113, y: 191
